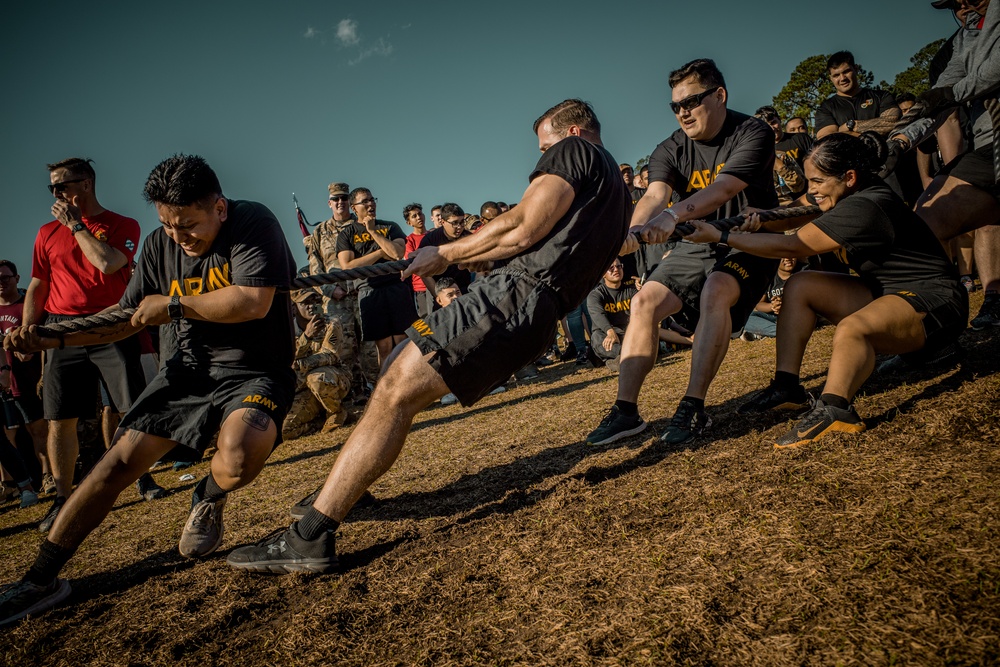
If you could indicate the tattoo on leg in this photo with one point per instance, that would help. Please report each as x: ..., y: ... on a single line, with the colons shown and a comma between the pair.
x: 257, y: 419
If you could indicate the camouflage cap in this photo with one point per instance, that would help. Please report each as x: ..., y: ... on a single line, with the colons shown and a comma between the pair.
x: 339, y: 189
x: 303, y: 295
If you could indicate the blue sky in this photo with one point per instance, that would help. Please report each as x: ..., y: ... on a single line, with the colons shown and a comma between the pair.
x: 426, y: 102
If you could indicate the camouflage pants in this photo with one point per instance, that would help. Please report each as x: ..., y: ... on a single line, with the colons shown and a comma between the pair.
x: 319, y: 395
x: 346, y: 311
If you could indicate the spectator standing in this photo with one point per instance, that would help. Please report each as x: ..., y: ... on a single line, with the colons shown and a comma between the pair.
x: 452, y: 229
x: 414, y: 216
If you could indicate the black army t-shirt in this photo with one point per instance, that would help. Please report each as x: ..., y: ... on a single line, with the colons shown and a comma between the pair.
x: 868, y: 104
x: 437, y: 237
x: 355, y: 237
x: 743, y: 148
x: 886, y: 243
x: 580, y: 247
x: 609, y: 308
x: 796, y: 145
x: 251, y: 251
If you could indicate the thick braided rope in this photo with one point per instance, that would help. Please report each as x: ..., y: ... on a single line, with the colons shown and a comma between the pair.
x: 737, y: 220
x: 120, y: 316
x: 79, y: 324
x: 373, y: 271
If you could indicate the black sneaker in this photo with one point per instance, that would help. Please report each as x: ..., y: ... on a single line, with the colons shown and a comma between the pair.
x: 773, y: 397
x: 284, y: 551
x: 23, y: 598
x: 300, y: 508
x: 149, y: 489
x: 819, y: 421
x: 686, y: 424
x: 615, y: 426
x: 989, y: 313
x: 46, y: 524
x: 568, y: 353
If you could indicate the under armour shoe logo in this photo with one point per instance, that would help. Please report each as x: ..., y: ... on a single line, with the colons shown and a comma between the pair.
x: 276, y: 548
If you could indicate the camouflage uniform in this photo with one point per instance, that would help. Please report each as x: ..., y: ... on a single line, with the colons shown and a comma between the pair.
x: 323, y: 381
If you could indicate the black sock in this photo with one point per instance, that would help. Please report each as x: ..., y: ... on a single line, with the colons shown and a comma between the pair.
x: 786, y: 380
x: 835, y: 401
x: 698, y: 402
x: 314, y: 524
x: 207, y: 489
x: 628, y: 408
x: 51, y: 559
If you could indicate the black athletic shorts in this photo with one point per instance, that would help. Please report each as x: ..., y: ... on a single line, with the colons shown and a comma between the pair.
x: 975, y: 168
x: 687, y: 267
x: 71, y: 375
x: 20, y: 410
x: 947, y: 313
x: 505, y: 321
x: 385, y: 311
x: 188, y: 405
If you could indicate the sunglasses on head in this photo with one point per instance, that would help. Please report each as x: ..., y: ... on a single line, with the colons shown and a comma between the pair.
x: 691, y: 102
x: 61, y: 186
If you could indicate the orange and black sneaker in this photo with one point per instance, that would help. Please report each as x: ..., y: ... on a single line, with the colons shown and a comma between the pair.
x: 819, y: 421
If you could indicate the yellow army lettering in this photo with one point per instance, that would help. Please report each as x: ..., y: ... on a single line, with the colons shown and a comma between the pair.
x: 793, y: 153
x: 702, y: 178
x: 738, y: 269
x: 363, y: 238
x: 618, y: 307
x: 261, y: 400
x: 421, y: 328
x: 217, y: 279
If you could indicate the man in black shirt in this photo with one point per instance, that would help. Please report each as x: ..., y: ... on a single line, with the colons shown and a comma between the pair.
x: 452, y: 228
x: 718, y: 163
x: 546, y: 254
x: 854, y: 109
x: 609, y: 305
x: 385, y: 303
x: 212, y: 273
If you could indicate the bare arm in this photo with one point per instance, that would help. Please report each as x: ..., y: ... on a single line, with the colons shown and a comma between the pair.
x: 229, y: 305
x: 884, y: 124
x: 348, y: 260
x: 34, y: 301
x: 105, y: 258
x: 807, y: 241
x: 699, y: 205
x: 825, y: 130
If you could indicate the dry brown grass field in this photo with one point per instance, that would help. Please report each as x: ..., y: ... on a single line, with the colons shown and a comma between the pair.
x: 501, y: 539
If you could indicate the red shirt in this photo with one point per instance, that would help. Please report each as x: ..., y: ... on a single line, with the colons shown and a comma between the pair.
x: 29, y: 371
x: 412, y: 243
x: 77, y: 287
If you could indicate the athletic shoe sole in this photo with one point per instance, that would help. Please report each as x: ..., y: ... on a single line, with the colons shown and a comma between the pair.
x: 619, y: 435
x: 309, y: 566
x: 61, y: 592
x: 835, y: 427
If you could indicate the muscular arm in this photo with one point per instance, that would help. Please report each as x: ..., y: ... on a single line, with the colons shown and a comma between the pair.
x: 825, y: 130
x: 34, y: 301
x: 546, y: 200
x: 652, y: 203
x: 807, y: 241
x: 229, y: 305
x: 883, y: 124
x: 391, y: 249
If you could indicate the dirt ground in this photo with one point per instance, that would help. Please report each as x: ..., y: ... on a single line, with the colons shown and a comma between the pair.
x: 501, y: 539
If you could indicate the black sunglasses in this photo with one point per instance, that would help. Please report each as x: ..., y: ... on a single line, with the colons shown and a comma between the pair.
x: 61, y: 186
x: 692, y: 102
x: 339, y: 198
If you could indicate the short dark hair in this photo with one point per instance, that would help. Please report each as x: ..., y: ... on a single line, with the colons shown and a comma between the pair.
x: 436, y: 207
x: 412, y: 207
x: 451, y: 208
x: 644, y: 168
x: 445, y: 283
x: 182, y: 180
x: 501, y: 204
x: 906, y: 97
x: 766, y: 112
x: 487, y: 205
x: 356, y: 191
x: 570, y: 112
x: 839, y: 58
x: 703, y: 69
x: 78, y: 167
x: 9, y: 264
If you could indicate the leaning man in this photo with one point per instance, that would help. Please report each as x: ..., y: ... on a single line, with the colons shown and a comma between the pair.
x: 212, y: 272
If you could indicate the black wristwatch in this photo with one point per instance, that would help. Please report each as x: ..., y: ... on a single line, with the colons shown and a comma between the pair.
x: 724, y: 238
x: 175, y: 309
x: 850, y: 125
x: 78, y: 227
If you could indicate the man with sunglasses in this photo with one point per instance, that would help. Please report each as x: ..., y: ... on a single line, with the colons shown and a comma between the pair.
x: 81, y: 265
x: 385, y: 303
x: 340, y: 301
x: 718, y: 163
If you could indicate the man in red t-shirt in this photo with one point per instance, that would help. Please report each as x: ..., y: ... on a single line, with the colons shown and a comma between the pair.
x: 413, y: 215
x: 81, y: 264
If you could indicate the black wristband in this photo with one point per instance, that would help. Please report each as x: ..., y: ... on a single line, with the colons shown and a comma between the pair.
x: 724, y: 239
x: 5, y: 367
